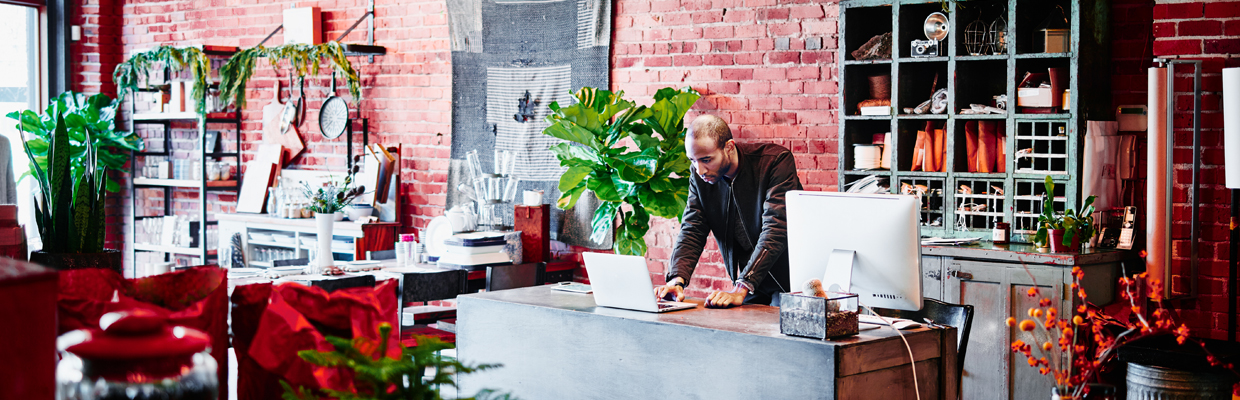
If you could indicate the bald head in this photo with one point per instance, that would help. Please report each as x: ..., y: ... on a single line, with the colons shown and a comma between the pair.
x: 712, y: 127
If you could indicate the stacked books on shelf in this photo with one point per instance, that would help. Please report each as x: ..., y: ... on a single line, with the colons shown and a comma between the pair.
x: 474, y: 251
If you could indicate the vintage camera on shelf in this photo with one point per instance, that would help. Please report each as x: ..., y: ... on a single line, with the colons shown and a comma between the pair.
x: 924, y: 48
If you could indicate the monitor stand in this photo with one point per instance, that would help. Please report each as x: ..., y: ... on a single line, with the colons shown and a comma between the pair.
x: 842, y: 263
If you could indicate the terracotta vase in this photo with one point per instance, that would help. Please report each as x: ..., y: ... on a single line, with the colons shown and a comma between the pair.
x: 1057, y: 246
x: 108, y: 259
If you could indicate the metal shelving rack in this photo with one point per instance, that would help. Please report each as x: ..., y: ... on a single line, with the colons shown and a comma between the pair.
x: 971, y: 79
x: 169, y: 186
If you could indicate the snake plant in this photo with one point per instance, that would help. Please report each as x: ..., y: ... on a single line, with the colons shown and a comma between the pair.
x: 69, y: 207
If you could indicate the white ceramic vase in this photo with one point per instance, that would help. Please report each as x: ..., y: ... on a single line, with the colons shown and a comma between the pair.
x: 324, y: 255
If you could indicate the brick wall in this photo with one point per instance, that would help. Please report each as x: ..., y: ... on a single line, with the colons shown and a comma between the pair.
x: 1207, y: 31
x: 92, y: 60
x: 767, y: 67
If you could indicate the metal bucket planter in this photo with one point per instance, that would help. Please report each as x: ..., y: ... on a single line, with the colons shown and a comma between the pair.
x: 108, y: 259
x: 1157, y: 383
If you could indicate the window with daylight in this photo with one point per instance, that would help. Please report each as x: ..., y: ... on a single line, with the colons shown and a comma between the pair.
x: 20, y: 89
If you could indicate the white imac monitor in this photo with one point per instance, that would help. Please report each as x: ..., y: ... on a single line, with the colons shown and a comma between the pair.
x: 868, y: 244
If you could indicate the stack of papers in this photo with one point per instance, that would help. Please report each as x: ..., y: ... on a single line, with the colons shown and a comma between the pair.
x: 932, y: 241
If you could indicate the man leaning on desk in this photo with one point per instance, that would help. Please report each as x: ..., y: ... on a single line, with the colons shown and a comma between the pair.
x: 737, y: 192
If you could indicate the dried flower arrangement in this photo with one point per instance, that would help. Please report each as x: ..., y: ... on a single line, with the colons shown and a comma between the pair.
x: 1056, y: 338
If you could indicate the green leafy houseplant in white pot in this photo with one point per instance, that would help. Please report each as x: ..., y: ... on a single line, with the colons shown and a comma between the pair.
x: 327, y: 202
x: 632, y: 182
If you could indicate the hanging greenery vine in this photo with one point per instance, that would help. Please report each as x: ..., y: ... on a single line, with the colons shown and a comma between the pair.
x: 127, y: 73
x: 305, y: 59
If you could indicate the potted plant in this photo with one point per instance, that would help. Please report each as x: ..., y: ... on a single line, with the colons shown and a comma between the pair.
x: 87, y: 119
x: 632, y: 182
x: 1064, y: 232
x: 378, y: 376
x: 326, y: 202
x: 69, y: 208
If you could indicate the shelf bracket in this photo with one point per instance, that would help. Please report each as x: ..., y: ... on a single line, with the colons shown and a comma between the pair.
x: 369, y: 17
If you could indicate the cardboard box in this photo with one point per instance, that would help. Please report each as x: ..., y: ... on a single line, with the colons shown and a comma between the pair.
x: 303, y: 26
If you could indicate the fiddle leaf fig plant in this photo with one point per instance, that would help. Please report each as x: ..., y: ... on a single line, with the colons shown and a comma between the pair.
x: 1072, y: 223
x: 86, y: 120
x: 632, y: 182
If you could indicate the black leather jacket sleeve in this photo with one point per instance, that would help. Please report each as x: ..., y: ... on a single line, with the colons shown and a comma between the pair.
x: 692, y: 238
x: 773, y: 241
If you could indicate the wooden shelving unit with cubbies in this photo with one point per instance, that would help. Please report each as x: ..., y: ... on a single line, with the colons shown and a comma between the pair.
x: 960, y: 203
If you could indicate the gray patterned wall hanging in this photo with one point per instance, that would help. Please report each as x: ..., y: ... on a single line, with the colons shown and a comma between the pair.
x: 510, y: 60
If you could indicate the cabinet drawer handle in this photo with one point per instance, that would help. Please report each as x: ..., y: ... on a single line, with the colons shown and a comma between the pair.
x: 962, y: 275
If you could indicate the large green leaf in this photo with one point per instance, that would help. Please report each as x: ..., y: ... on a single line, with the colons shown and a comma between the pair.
x: 603, y: 187
x: 669, y: 107
x: 667, y: 204
x: 636, y: 167
x: 573, y: 177
x: 569, y: 198
x: 602, y: 222
x: 572, y: 155
x: 571, y: 132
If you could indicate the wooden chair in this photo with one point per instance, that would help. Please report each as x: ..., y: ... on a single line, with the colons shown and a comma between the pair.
x: 959, y: 316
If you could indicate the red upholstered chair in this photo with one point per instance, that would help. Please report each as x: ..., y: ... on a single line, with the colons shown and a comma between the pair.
x: 271, y: 323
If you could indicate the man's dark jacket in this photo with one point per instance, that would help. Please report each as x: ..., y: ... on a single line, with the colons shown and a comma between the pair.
x: 758, y: 248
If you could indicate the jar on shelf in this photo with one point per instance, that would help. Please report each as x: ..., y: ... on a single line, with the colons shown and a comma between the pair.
x: 1002, y: 233
x: 136, y: 355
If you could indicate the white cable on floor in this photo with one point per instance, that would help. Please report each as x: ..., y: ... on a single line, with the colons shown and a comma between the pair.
x: 912, y: 361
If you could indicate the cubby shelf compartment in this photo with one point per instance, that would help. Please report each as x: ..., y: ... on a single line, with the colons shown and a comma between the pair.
x: 1027, y: 203
x: 1041, y: 147
x: 929, y: 192
x: 979, y: 203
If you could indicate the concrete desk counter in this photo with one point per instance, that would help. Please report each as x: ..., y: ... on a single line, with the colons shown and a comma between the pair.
x: 559, y: 345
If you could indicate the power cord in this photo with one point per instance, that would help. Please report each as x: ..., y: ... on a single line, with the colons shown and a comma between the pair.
x: 912, y: 362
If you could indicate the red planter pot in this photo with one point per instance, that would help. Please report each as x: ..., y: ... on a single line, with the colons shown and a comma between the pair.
x: 1057, y: 246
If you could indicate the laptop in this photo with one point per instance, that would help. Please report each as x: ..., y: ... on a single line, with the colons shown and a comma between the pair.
x: 624, y: 282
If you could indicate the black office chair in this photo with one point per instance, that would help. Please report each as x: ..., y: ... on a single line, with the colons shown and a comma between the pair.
x: 381, y: 254
x: 290, y: 262
x: 959, y: 316
x: 502, y: 277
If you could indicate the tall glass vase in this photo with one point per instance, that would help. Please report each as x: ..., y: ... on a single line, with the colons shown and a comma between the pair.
x: 323, y: 258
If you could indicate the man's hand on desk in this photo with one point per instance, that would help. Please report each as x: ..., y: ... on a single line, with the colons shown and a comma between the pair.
x: 674, y: 290
x: 721, y: 299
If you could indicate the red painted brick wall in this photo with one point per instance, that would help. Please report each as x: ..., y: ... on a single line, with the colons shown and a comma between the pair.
x: 727, y: 50
x: 1208, y: 31
x: 92, y: 60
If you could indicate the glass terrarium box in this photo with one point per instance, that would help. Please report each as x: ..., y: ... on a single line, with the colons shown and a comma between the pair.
x: 816, y: 317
